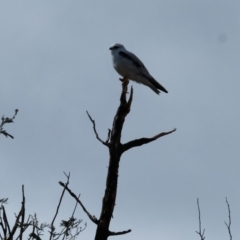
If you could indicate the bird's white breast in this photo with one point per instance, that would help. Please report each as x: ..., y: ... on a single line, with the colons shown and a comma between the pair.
x: 123, y: 66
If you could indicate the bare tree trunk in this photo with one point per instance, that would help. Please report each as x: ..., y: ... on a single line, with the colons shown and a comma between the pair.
x: 109, y: 198
x: 116, y: 149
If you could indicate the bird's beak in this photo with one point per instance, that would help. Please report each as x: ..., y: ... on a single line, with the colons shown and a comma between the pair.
x: 110, y: 48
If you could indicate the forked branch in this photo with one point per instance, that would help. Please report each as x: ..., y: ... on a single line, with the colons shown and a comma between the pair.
x: 92, y: 218
x: 57, y: 210
x: 95, y: 131
x: 229, y: 220
x: 20, y: 214
x: 200, y: 232
x: 7, y: 120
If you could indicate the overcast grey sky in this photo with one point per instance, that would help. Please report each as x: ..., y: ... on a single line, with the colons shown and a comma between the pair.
x: 55, y: 65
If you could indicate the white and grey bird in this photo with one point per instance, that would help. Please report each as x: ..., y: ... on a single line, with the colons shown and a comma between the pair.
x: 131, y: 67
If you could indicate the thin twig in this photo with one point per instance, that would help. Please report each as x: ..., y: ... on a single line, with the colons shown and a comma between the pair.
x: 141, y: 141
x: 229, y: 220
x: 23, y: 213
x: 95, y: 131
x: 25, y: 226
x: 200, y: 233
x: 109, y: 136
x: 75, y: 206
x: 16, y: 224
x: 3, y: 224
x: 60, y: 201
x: 7, y: 120
x: 92, y: 218
x: 3, y: 200
x: 5, y: 219
x: 119, y: 233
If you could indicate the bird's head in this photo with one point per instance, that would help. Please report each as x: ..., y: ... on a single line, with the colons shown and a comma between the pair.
x: 116, y: 47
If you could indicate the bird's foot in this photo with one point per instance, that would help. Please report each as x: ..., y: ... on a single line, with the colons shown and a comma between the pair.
x: 125, y: 82
x: 124, y: 79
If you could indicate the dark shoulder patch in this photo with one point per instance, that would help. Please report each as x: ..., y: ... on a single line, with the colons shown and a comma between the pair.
x: 123, y: 54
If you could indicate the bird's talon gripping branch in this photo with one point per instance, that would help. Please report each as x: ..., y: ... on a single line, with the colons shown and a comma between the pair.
x: 124, y: 79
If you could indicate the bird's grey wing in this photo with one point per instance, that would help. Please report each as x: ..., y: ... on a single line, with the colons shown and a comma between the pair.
x: 134, y: 59
x: 144, y: 72
x: 155, y: 83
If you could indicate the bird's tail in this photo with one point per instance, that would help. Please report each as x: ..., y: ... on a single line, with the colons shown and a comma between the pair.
x: 154, y: 85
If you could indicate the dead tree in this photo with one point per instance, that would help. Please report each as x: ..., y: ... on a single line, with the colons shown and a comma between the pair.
x: 116, y: 149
